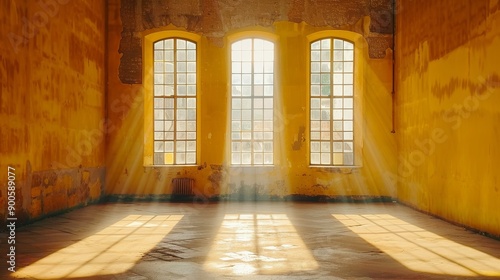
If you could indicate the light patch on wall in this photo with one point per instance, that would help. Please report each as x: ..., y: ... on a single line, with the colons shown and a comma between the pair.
x: 112, y: 250
x: 419, y: 249
x: 248, y: 244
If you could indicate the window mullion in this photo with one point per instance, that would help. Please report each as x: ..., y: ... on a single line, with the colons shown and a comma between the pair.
x: 331, y: 102
x: 175, y: 104
x: 251, y: 105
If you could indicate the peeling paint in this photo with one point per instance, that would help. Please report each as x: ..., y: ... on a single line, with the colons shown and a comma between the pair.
x: 214, y: 19
x: 299, y: 139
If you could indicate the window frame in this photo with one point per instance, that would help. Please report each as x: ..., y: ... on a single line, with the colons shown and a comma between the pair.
x: 148, y: 93
x: 360, y: 56
x: 272, y: 38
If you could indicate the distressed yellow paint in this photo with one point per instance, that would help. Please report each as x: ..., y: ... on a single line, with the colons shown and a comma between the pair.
x: 448, y: 117
x: 52, y: 82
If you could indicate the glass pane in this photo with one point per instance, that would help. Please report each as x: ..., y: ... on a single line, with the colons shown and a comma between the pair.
x: 348, y: 79
x: 180, y: 158
x: 191, y: 102
x: 337, y: 147
x: 315, y: 125
x: 159, y: 135
x: 315, y: 103
x: 315, y: 114
x: 338, y: 44
x: 348, y: 126
x: 337, y: 78
x: 325, y: 90
x: 315, y: 66
x: 159, y: 146
x: 338, y: 158
x: 236, y: 146
x: 316, y: 45
x: 348, y: 114
x: 325, y: 44
x: 190, y: 158
x: 325, y: 55
x: 236, y: 158
x: 315, y: 158
x: 169, y: 146
x: 325, y: 147
x: 325, y: 78
x: 348, y: 158
x: 158, y: 45
x: 315, y: 147
x: 180, y: 146
x: 268, y: 158
x: 315, y: 56
x: 348, y: 55
x: 325, y: 158
x: 338, y: 67
x: 348, y: 66
x: 246, y: 158
x: 258, y: 158
x: 191, y: 146
x: 315, y: 90
x: 315, y: 136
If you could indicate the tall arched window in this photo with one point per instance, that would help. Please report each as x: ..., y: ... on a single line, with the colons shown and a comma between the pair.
x: 332, y: 90
x: 174, y: 103
x: 252, y: 102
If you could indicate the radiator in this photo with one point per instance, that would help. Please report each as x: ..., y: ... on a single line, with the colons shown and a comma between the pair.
x: 182, y: 186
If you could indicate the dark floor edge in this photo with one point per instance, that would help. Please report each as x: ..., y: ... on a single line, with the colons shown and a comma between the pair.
x: 471, y: 229
x: 54, y: 214
x: 238, y: 197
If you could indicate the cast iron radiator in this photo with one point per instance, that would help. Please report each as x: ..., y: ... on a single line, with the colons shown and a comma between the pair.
x: 182, y: 186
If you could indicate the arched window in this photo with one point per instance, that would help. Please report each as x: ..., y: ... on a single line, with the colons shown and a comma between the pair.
x: 252, y: 102
x: 175, y: 102
x: 332, y: 96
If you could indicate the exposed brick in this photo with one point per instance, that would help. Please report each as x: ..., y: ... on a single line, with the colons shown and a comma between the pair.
x: 214, y: 18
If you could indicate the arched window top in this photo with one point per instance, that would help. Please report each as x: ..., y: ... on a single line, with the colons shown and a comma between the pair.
x: 252, y: 34
x: 154, y: 37
x: 338, y: 43
x: 174, y: 43
x: 254, y: 43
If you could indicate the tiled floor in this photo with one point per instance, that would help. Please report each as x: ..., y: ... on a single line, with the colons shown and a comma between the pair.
x: 264, y: 240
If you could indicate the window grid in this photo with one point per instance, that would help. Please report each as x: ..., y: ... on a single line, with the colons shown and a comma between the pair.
x: 332, y: 103
x: 252, y: 81
x: 174, y: 102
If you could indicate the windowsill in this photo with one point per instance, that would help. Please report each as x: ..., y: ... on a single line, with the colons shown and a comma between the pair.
x: 171, y: 166
x: 337, y: 166
x: 252, y: 166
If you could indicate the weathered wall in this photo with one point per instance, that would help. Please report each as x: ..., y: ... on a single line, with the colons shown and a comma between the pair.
x: 52, y: 103
x: 131, y: 20
x: 215, y: 18
x: 447, y: 109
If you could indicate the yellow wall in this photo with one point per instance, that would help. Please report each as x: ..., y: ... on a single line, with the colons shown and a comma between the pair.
x: 52, y: 103
x: 448, y: 115
x: 291, y: 174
